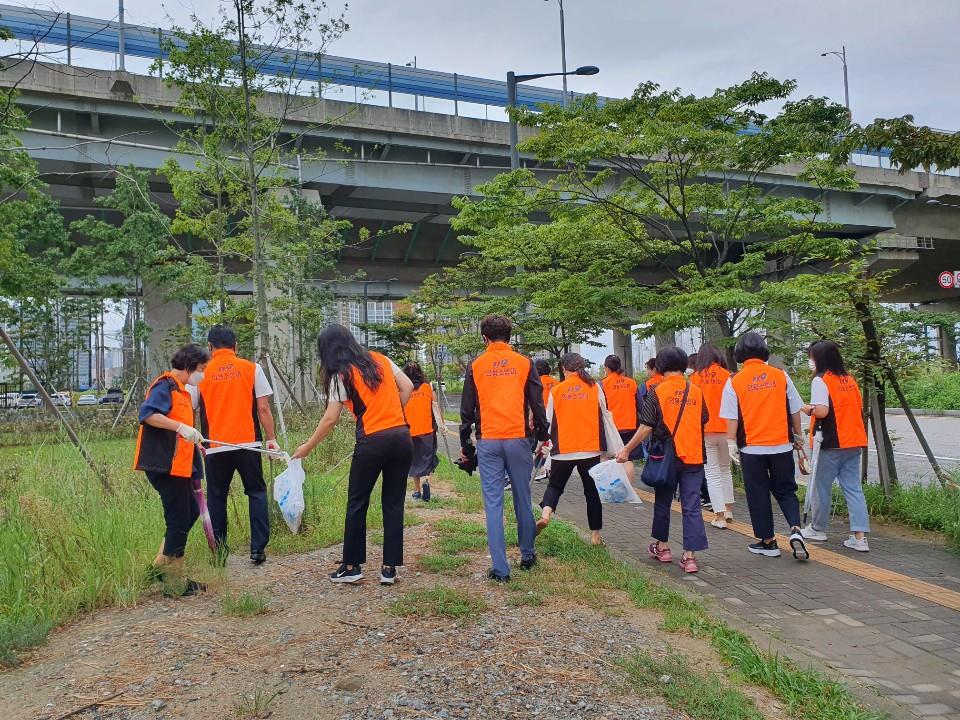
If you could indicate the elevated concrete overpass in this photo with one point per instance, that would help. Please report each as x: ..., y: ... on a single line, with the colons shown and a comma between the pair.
x: 384, y: 166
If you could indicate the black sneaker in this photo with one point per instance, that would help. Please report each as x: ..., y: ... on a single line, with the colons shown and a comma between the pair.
x: 194, y: 588
x: 343, y: 575
x: 388, y: 574
x: 528, y: 563
x: 416, y: 496
x: 497, y: 578
x: 507, y: 485
x: 259, y: 557
x: 425, y: 495
x: 769, y: 549
x: 798, y: 546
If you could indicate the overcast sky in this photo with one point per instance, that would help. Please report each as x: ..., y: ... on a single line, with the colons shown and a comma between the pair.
x: 902, y: 54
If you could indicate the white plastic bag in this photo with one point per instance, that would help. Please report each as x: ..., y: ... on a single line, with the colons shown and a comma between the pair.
x: 612, y: 484
x: 288, y: 492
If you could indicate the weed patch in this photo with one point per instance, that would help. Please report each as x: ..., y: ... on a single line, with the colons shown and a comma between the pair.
x: 438, y: 601
x: 244, y: 604
x: 443, y: 564
x: 697, y: 692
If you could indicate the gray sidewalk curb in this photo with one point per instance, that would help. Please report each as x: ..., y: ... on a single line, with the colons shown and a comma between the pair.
x: 762, y: 639
x: 928, y: 413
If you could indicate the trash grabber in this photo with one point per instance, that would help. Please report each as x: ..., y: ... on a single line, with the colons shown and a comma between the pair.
x: 273, y: 454
x: 202, y: 502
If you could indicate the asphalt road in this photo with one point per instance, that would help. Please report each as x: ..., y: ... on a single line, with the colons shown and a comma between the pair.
x: 943, y: 436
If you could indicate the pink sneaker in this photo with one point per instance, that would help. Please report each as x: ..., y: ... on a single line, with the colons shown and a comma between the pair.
x: 662, y: 554
x: 689, y: 564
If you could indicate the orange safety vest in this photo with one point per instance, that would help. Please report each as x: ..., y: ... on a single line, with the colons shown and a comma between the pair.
x: 843, y: 426
x: 228, y: 408
x: 500, y: 375
x: 548, y: 382
x: 653, y: 380
x: 621, y: 394
x: 164, y: 451
x: 711, y: 382
x: 688, y: 441
x: 763, y: 405
x: 419, y: 411
x: 376, y: 410
x: 577, y: 424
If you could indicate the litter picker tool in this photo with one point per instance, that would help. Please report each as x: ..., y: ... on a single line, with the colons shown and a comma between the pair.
x: 272, y: 454
x: 202, y: 503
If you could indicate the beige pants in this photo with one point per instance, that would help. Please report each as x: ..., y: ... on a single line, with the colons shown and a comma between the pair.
x: 717, y: 470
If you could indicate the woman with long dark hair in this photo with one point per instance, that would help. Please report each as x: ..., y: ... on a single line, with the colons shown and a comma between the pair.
x: 422, y: 413
x: 581, y: 429
x: 710, y: 374
x: 375, y: 390
x: 836, y: 407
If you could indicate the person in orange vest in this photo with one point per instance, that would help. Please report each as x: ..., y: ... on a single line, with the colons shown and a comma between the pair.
x: 546, y: 379
x: 580, y: 425
x: 167, y: 454
x: 836, y: 406
x: 501, y: 392
x: 660, y: 414
x: 375, y: 391
x: 234, y: 405
x: 622, y: 394
x: 422, y: 414
x: 653, y: 375
x: 710, y: 374
x: 762, y: 408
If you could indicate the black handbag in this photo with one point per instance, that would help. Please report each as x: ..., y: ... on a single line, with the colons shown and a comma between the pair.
x: 660, y: 469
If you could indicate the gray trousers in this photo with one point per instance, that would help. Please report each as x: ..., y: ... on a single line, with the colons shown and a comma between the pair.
x: 495, y: 458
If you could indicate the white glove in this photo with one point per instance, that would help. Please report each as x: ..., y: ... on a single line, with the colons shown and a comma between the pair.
x: 734, y: 451
x: 190, y: 434
x: 274, y: 448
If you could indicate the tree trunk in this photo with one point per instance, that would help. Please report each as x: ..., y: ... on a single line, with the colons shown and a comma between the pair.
x: 867, y: 391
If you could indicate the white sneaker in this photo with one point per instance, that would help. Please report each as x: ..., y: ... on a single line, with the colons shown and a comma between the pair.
x: 810, y: 534
x: 859, y: 545
x: 722, y: 524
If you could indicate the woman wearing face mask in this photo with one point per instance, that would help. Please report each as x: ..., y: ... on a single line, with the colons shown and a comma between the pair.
x: 836, y: 409
x: 167, y: 453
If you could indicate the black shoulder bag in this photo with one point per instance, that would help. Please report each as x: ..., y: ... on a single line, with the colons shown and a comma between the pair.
x: 660, y: 469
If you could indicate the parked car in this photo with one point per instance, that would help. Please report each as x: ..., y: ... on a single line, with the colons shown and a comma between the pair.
x: 9, y: 400
x: 114, y: 395
x: 62, y: 399
x: 29, y: 400
x: 86, y: 400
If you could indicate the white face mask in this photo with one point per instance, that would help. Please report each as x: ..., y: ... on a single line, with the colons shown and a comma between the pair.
x: 812, y: 364
x: 196, y: 377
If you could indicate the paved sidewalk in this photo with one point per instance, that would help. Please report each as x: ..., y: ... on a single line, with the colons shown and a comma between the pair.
x: 904, y: 647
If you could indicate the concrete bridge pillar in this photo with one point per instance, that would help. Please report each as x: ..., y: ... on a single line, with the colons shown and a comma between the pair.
x: 623, y: 346
x: 169, y: 327
x: 947, y: 338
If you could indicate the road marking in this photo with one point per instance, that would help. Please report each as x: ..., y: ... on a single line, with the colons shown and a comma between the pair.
x: 898, y: 581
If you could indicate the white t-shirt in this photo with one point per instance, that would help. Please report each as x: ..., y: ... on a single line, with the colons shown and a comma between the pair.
x: 613, y: 440
x: 261, y: 388
x: 729, y: 410
x: 819, y: 394
x: 338, y: 391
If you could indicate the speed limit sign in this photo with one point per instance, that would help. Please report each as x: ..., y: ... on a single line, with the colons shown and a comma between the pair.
x: 949, y: 279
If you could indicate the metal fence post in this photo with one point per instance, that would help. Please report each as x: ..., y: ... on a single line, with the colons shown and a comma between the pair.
x: 69, y: 40
x: 456, y: 94
x: 390, y: 84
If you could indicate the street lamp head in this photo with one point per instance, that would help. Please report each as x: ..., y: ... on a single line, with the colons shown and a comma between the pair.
x: 823, y: 54
x: 587, y: 70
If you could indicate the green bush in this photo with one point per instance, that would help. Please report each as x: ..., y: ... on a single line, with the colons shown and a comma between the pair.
x: 932, y: 390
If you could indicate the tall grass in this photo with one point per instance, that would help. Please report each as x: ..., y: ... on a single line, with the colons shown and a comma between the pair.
x: 66, y: 547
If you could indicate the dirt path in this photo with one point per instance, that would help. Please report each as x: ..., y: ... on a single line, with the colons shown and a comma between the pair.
x: 325, y: 651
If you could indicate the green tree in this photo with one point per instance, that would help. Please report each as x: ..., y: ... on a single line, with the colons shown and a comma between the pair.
x: 682, y: 178
x: 228, y: 77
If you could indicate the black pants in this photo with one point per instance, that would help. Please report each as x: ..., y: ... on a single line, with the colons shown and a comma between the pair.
x: 766, y: 475
x: 560, y: 472
x: 220, y: 469
x: 388, y: 452
x: 180, y: 510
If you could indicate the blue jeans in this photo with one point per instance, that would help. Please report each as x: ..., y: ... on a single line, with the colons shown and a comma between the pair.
x: 494, y: 459
x: 689, y: 481
x: 844, y: 465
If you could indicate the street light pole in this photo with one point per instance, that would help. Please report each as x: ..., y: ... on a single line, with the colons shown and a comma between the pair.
x: 563, y: 52
x: 416, y: 100
x: 846, y: 82
x: 512, y: 80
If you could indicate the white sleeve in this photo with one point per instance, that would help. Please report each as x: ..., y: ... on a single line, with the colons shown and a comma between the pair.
x: 729, y: 405
x: 819, y: 394
x: 338, y: 391
x: 612, y: 436
x: 194, y: 395
x: 397, y: 372
x: 261, y: 387
x: 793, y: 397
x: 549, y: 408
